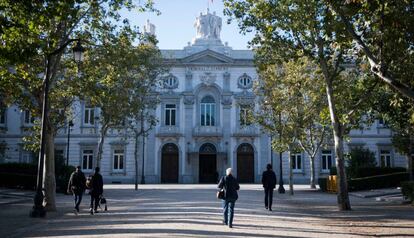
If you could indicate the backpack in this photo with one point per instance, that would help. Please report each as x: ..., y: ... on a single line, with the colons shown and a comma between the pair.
x: 89, y: 182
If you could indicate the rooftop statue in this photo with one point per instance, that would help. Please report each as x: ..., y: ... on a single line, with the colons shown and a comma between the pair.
x: 149, y: 28
x: 208, y: 26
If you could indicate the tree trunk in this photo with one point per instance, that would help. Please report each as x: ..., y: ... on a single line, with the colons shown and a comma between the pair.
x: 343, y: 197
x: 136, y: 160
x: 312, y: 172
x: 409, y: 156
x: 49, y: 180
x: 290, y: 174
x: 104, y: 129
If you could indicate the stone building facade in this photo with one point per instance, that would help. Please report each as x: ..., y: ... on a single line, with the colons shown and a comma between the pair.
x: 202, y: 130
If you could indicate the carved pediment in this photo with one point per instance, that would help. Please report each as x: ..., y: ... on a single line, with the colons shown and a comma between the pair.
x: 208, y: 57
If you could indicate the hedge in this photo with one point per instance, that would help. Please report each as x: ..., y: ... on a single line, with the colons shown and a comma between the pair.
x: 380, y: 181
x: 22, y: 175
x: 407, y: 190
x: 18, y: 175
x: 374, y: 171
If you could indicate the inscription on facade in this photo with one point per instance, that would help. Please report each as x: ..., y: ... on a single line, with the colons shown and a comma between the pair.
x: 207, y: 68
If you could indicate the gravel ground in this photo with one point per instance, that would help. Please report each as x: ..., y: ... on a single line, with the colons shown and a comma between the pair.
x: 193, y: 211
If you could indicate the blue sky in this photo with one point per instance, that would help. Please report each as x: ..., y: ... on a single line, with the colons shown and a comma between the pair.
x: 174, y: 27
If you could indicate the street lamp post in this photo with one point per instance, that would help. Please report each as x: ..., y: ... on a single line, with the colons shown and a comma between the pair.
x: 281, y: 189
x: 38, y: 210
x: 271, y: 150
x: 70, y: 124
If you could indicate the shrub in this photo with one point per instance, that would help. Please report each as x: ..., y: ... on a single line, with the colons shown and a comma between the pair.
x: 358, y: 158
x: 323, y: 184
x: 62, y: 178
x: 333, y: 171
x: 380, y: 181
x: 407, y: 190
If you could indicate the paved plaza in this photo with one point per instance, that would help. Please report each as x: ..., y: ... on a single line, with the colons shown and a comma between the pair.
x: 193, y: 211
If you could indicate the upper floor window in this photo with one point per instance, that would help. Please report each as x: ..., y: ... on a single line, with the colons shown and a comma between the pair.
x: 326, y: 160
x: 208, y: 111
x: 87, y: 160
x: 296, y: 162
x: 170, y: 82
x: 118, y: 160
x: 246, y: 115
x: 170, y: 112
x: 89, y: 116
x: 245, y: 81
x: 28, y: 118
x: 385, y: 158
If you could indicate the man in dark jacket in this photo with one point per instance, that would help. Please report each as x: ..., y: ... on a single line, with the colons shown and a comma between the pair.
x: 96, y: 190
x: 269, y: 183
x: 230, y: 186
x: 76, y: 186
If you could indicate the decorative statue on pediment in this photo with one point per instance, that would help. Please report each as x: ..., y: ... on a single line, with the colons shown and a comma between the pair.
x: 208, y: 26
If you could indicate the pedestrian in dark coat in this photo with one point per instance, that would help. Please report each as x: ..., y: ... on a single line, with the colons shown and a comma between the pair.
x: 230, y: 186
x: 269, y: 183
x: 96, y: 190
x: 76, y: 186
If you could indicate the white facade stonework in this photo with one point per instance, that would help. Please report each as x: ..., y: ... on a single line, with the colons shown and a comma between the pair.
x: 199, y: 133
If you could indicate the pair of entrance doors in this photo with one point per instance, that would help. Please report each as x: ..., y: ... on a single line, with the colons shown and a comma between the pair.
x: 207, y: 164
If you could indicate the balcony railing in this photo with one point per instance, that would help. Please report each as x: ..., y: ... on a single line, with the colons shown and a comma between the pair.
x: 168, y: 131
x: 246, y: 131
x: 207, y: 131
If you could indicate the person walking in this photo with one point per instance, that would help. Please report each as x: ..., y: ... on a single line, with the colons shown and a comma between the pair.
x: 76, y: 186
x: 231, y: 186
x: 96, y: 190
x: 269, y: 183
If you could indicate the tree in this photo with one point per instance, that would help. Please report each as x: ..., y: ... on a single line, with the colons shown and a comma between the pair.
x: 34, y: 39
x: 383, y: 31
x: 398, y: 114
x: 298, y: 89
x: 290, y: 29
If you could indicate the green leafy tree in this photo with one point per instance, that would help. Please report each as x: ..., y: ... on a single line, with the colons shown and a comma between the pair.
x: 290, y: 29
x: 383, y: 35
x: 35, y: 36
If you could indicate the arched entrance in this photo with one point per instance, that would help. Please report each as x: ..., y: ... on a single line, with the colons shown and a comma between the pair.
x: 169, y: 163
x: 245, y: 163
x: 208, y: 164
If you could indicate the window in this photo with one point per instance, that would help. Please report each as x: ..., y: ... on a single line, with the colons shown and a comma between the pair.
x: 89, y: 116
x: 245, y: 115
x: 296, y: 162
x: 87, y: 159
x: 208, y: 111
x: 245, y: 81
x: 28, y: 118
x: 385, y: 158
x: 170, y: 82
x: 2, y: 116
x: 118, y: 160
x: 59, y: 156
x: 27, y: 157
x: 170, y: 111
x: 326, y: 160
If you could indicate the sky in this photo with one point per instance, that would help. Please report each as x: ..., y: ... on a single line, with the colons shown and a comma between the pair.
x: 175, y: 25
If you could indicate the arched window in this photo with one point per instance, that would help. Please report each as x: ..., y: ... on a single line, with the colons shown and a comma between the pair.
x: 208, y: 111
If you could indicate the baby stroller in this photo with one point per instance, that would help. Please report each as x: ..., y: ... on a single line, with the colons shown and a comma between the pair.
x: 102, y: 201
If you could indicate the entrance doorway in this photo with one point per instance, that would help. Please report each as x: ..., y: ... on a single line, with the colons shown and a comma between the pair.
x: 208, y: 164
x: 245, y: 163
x: 169, y: 163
